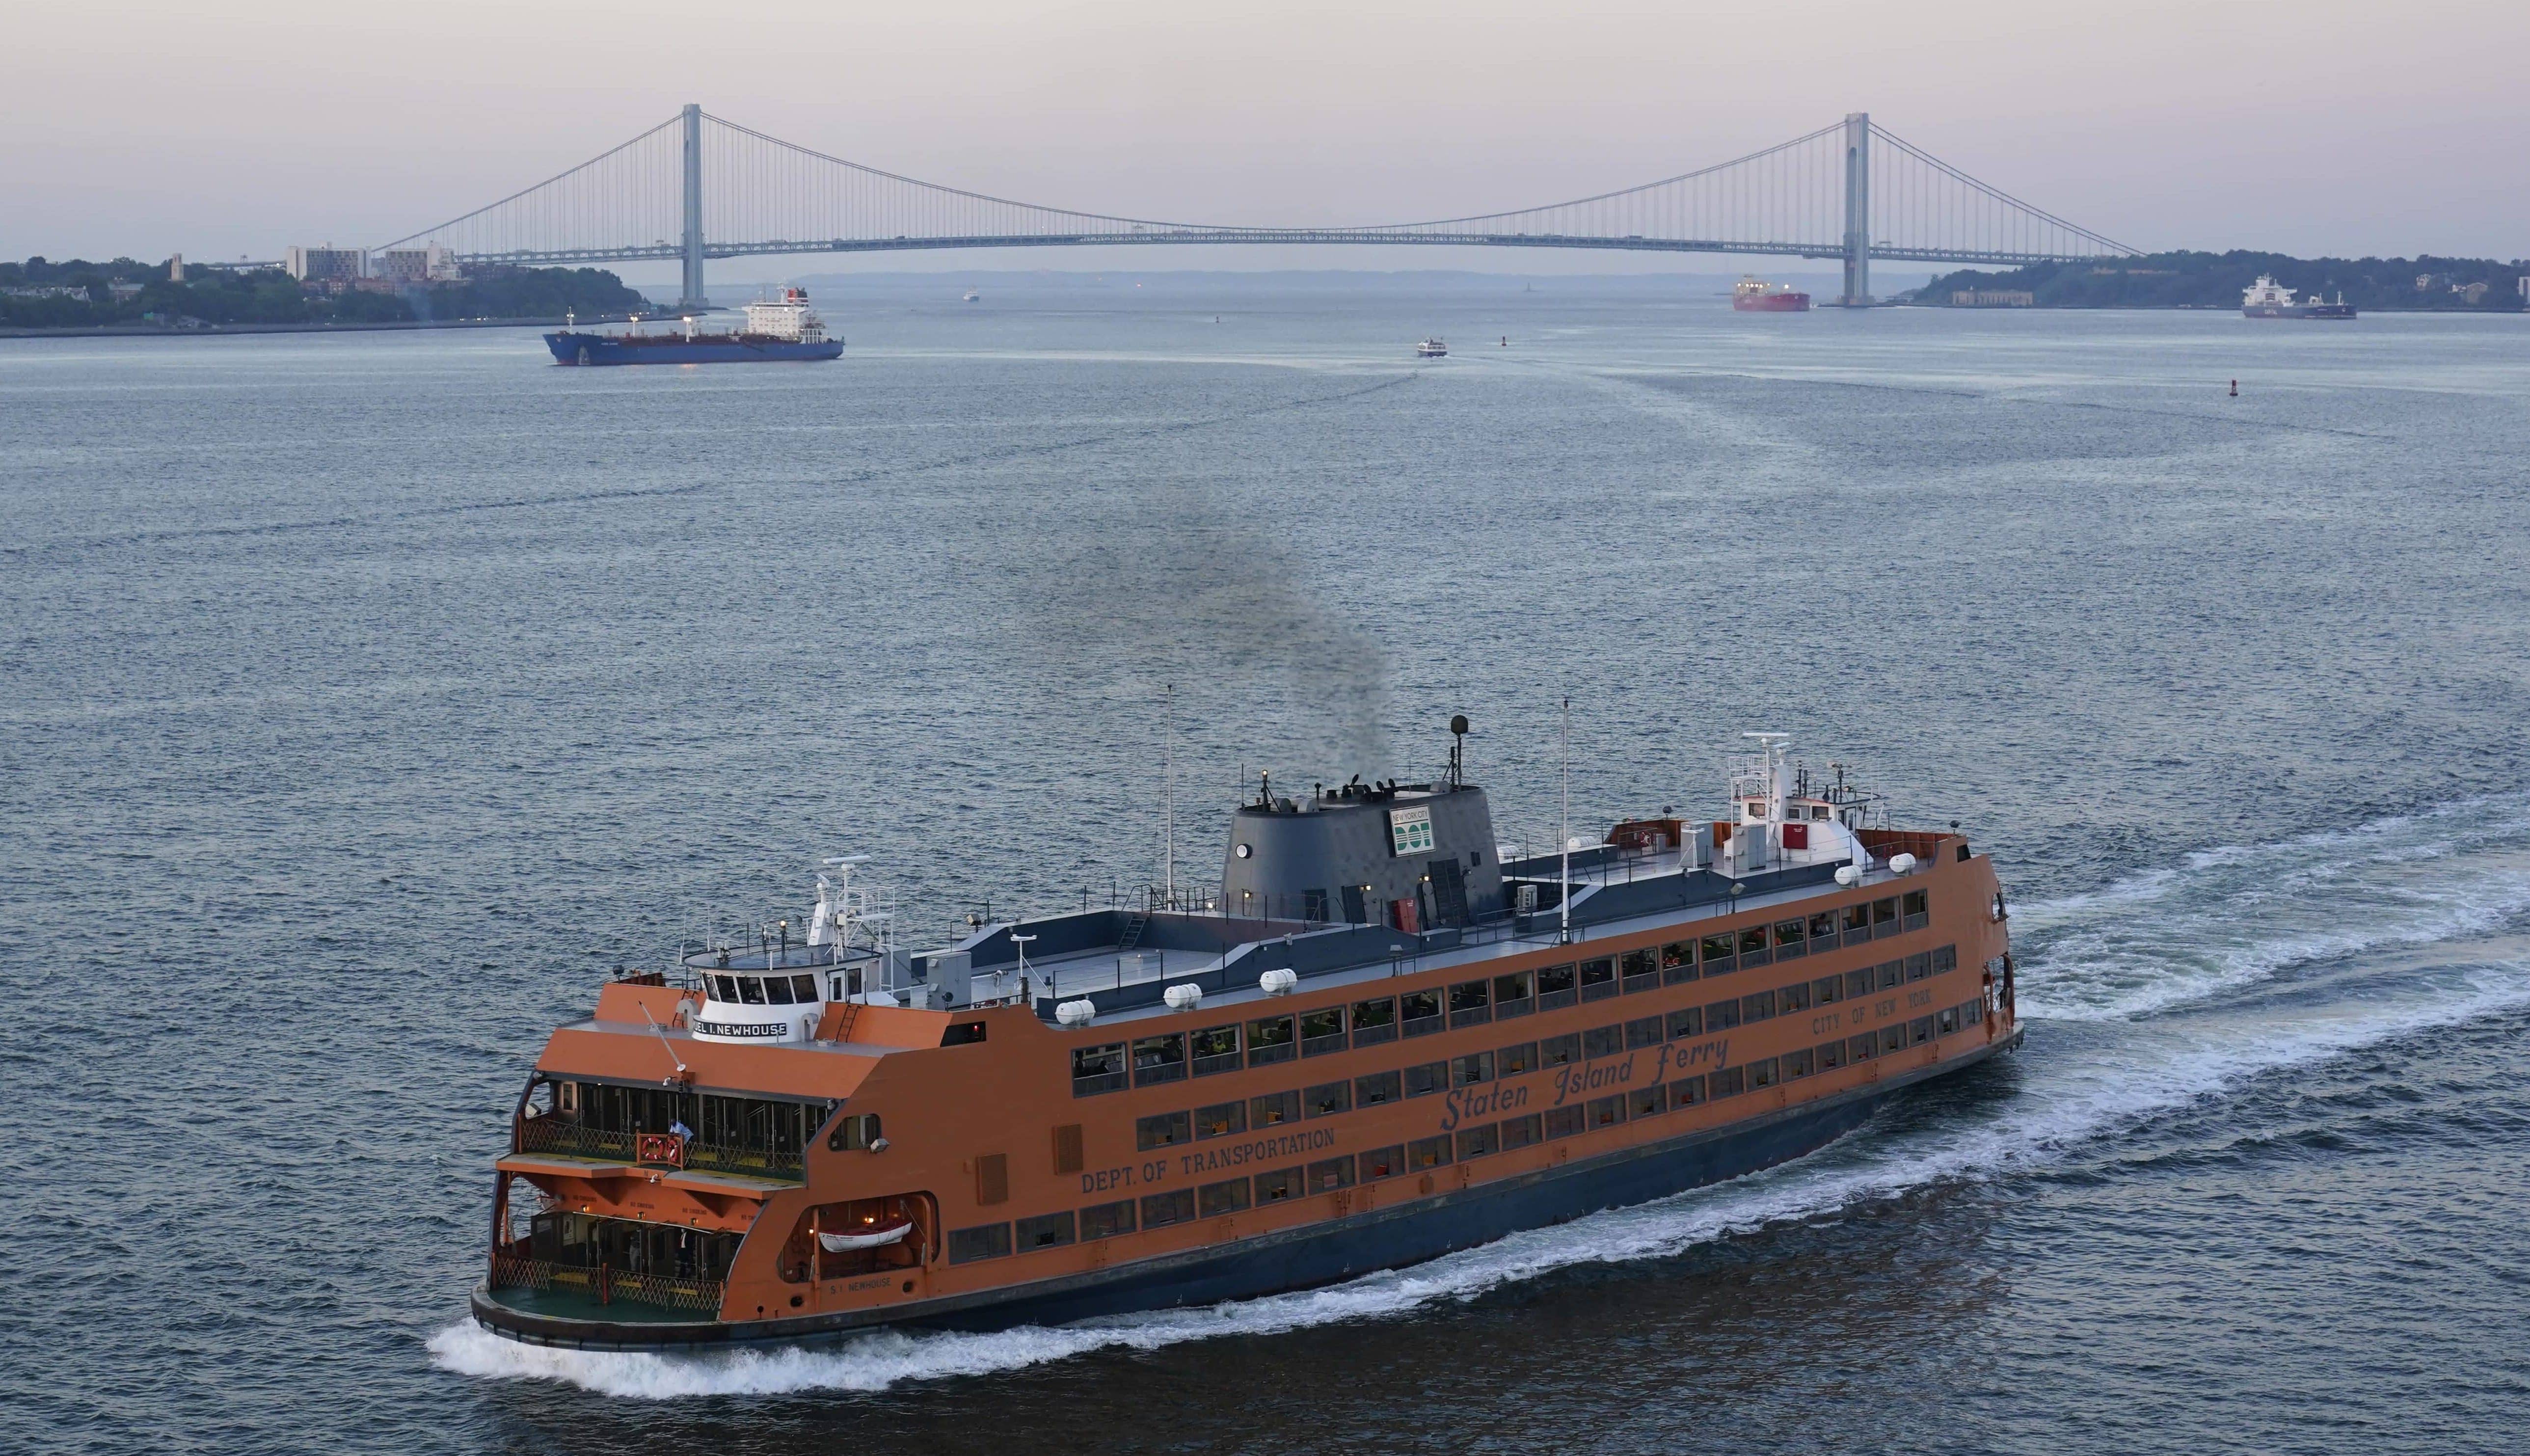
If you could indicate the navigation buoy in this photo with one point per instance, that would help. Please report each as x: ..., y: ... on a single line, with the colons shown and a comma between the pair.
x: 2235, y: 389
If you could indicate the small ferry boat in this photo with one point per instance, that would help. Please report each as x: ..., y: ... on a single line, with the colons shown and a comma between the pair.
x: 1379, y: 1038
x: 2267, y: 298
x: 1431, y: 349
x: 972, y: 297
x: 1751, y: 294
x: 782, y: 328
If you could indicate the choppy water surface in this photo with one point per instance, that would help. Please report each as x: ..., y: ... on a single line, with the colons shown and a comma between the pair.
x: 369, y: 697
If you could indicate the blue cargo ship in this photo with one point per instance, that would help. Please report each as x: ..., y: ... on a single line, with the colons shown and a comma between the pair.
x: 782, y: 329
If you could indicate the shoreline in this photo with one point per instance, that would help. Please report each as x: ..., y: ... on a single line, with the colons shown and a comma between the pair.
x: 221, y: 330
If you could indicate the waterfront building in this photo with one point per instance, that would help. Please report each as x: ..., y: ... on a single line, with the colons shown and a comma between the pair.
x: 326, y: 264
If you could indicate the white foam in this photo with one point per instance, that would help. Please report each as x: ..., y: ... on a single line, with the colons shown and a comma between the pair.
x: 2232, y: 915
x: 2070, y: 1095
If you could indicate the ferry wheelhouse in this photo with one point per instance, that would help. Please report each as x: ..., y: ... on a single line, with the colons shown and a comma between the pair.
x: 1380, y: 1037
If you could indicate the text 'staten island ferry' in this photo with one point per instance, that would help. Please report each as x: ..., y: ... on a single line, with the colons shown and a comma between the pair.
x: 782, y: 329
x: 1378, y: 1040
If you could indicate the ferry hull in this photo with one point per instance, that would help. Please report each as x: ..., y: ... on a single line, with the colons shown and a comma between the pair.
x: 1773, y: 302
x: 2297, y: 310
x: 1407, y: 1233
x: 601, y: 349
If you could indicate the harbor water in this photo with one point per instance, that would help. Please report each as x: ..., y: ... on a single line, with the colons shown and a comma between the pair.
x: 369, y: 699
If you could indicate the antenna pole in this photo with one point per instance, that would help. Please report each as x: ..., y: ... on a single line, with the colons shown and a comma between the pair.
x: 1564, y: 831
x: 1169, y: 795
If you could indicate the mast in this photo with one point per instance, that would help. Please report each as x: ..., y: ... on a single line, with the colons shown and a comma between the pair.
x: 1564, y: 831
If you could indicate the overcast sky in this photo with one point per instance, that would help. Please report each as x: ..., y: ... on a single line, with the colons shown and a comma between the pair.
x: 2316, y: 127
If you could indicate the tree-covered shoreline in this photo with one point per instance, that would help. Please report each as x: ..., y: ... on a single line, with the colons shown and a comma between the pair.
x: 76, y: 293
x: 2215, y: 280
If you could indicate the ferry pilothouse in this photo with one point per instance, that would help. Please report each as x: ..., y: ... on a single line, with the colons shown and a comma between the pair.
x: 1379, y: 1038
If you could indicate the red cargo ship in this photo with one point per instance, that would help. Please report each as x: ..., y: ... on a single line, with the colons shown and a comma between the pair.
x: 1754, y: 296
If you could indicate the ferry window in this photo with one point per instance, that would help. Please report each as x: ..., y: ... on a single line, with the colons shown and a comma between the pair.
x: 1948, y: 1020
x: 1516, y: 1061
x: 1272, y: 1109
x: 1863, y: 1047
x: 1729, y: 1082
x: 1376, y: 1089
x: 1919, y: 965
x: 1468, y: 1069
x: 1564, y: 1122
x: 1160, y: 1209
x: 1107, y: 1220
x: 1331, y: 1174
x: 1827, y: 989
x: 962, y: 1033
x: 1427, y: 1079
x: 1428, y: 1152
x: 855, y: 1133
x: 1686, y: 1021
x: 1679, y: 953
x: 1720, y: 953
x: 1892, y: 1039
x: 1913, y: 906
x: 1641, y: 969
x: 1158, y: 1059
x: 1944, y: 957
x: 750, y: 990
x: 1556, y: 987
x: 1097, y: 1069
x: 1277, y: 1187
x: 1645, y: 1031
x: 777, y: 990
x: 1797, y: 1064
x: 1857, y: 984
x: 1647, y: 1101
x: 1322, y: 1031
x: 1214, y: 1200
x: 804, y: 986
x: 1792, y: 938
x: 1764, y: 1072
x: 1383, y: 1162
x: 1884, y: 917
x: 967, y: 1244
x: 1067, y: 1148
x: 1892, y: 973
x: 1920, y: 1029
x: 1756, y: 1006
x: 1423, y: 1013
x: 1722, y: 1016
x: 1216, y: 1050
x: 1823, y: 927
x: 724, y: 989
x: 1752, y: 940
x: 1476, y: 1142
x: 1598, y: 979
x: 1513, y: 995
x: 1858, y: 923
x: 1269, y: 1040
x: 1374, y: 1022
x: 1794, y: 997
x: 1519, y: 1132
x: 1166, y: 1130
x: 1560, y: 1051
x: 1221, y: 1120
x: 1047, y: 1231
x: 1327, y: 1099
x: 1599, y: 1041
x: 1470, y: 1003
x: 1605, y: 1112
x: 1686, y: 1091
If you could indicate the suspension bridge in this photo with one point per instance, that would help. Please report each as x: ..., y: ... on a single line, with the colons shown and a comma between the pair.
x: 697, y: 186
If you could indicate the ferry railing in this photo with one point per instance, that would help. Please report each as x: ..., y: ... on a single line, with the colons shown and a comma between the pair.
x: 607, y: 1285
x: 559, y: 1135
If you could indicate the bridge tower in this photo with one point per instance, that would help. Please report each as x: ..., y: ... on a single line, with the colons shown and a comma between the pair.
x: 1857, y: 210
x: 692, y: 298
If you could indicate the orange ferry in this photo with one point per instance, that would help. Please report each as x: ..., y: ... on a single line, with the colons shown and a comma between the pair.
x: 1380, y: 1039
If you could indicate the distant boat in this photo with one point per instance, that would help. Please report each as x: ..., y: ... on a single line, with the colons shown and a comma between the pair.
x: 784, y: 328
x: 972, y: 297
x: 2265, y: 299
x: 1751, y: 295
x: 1431, y: 349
